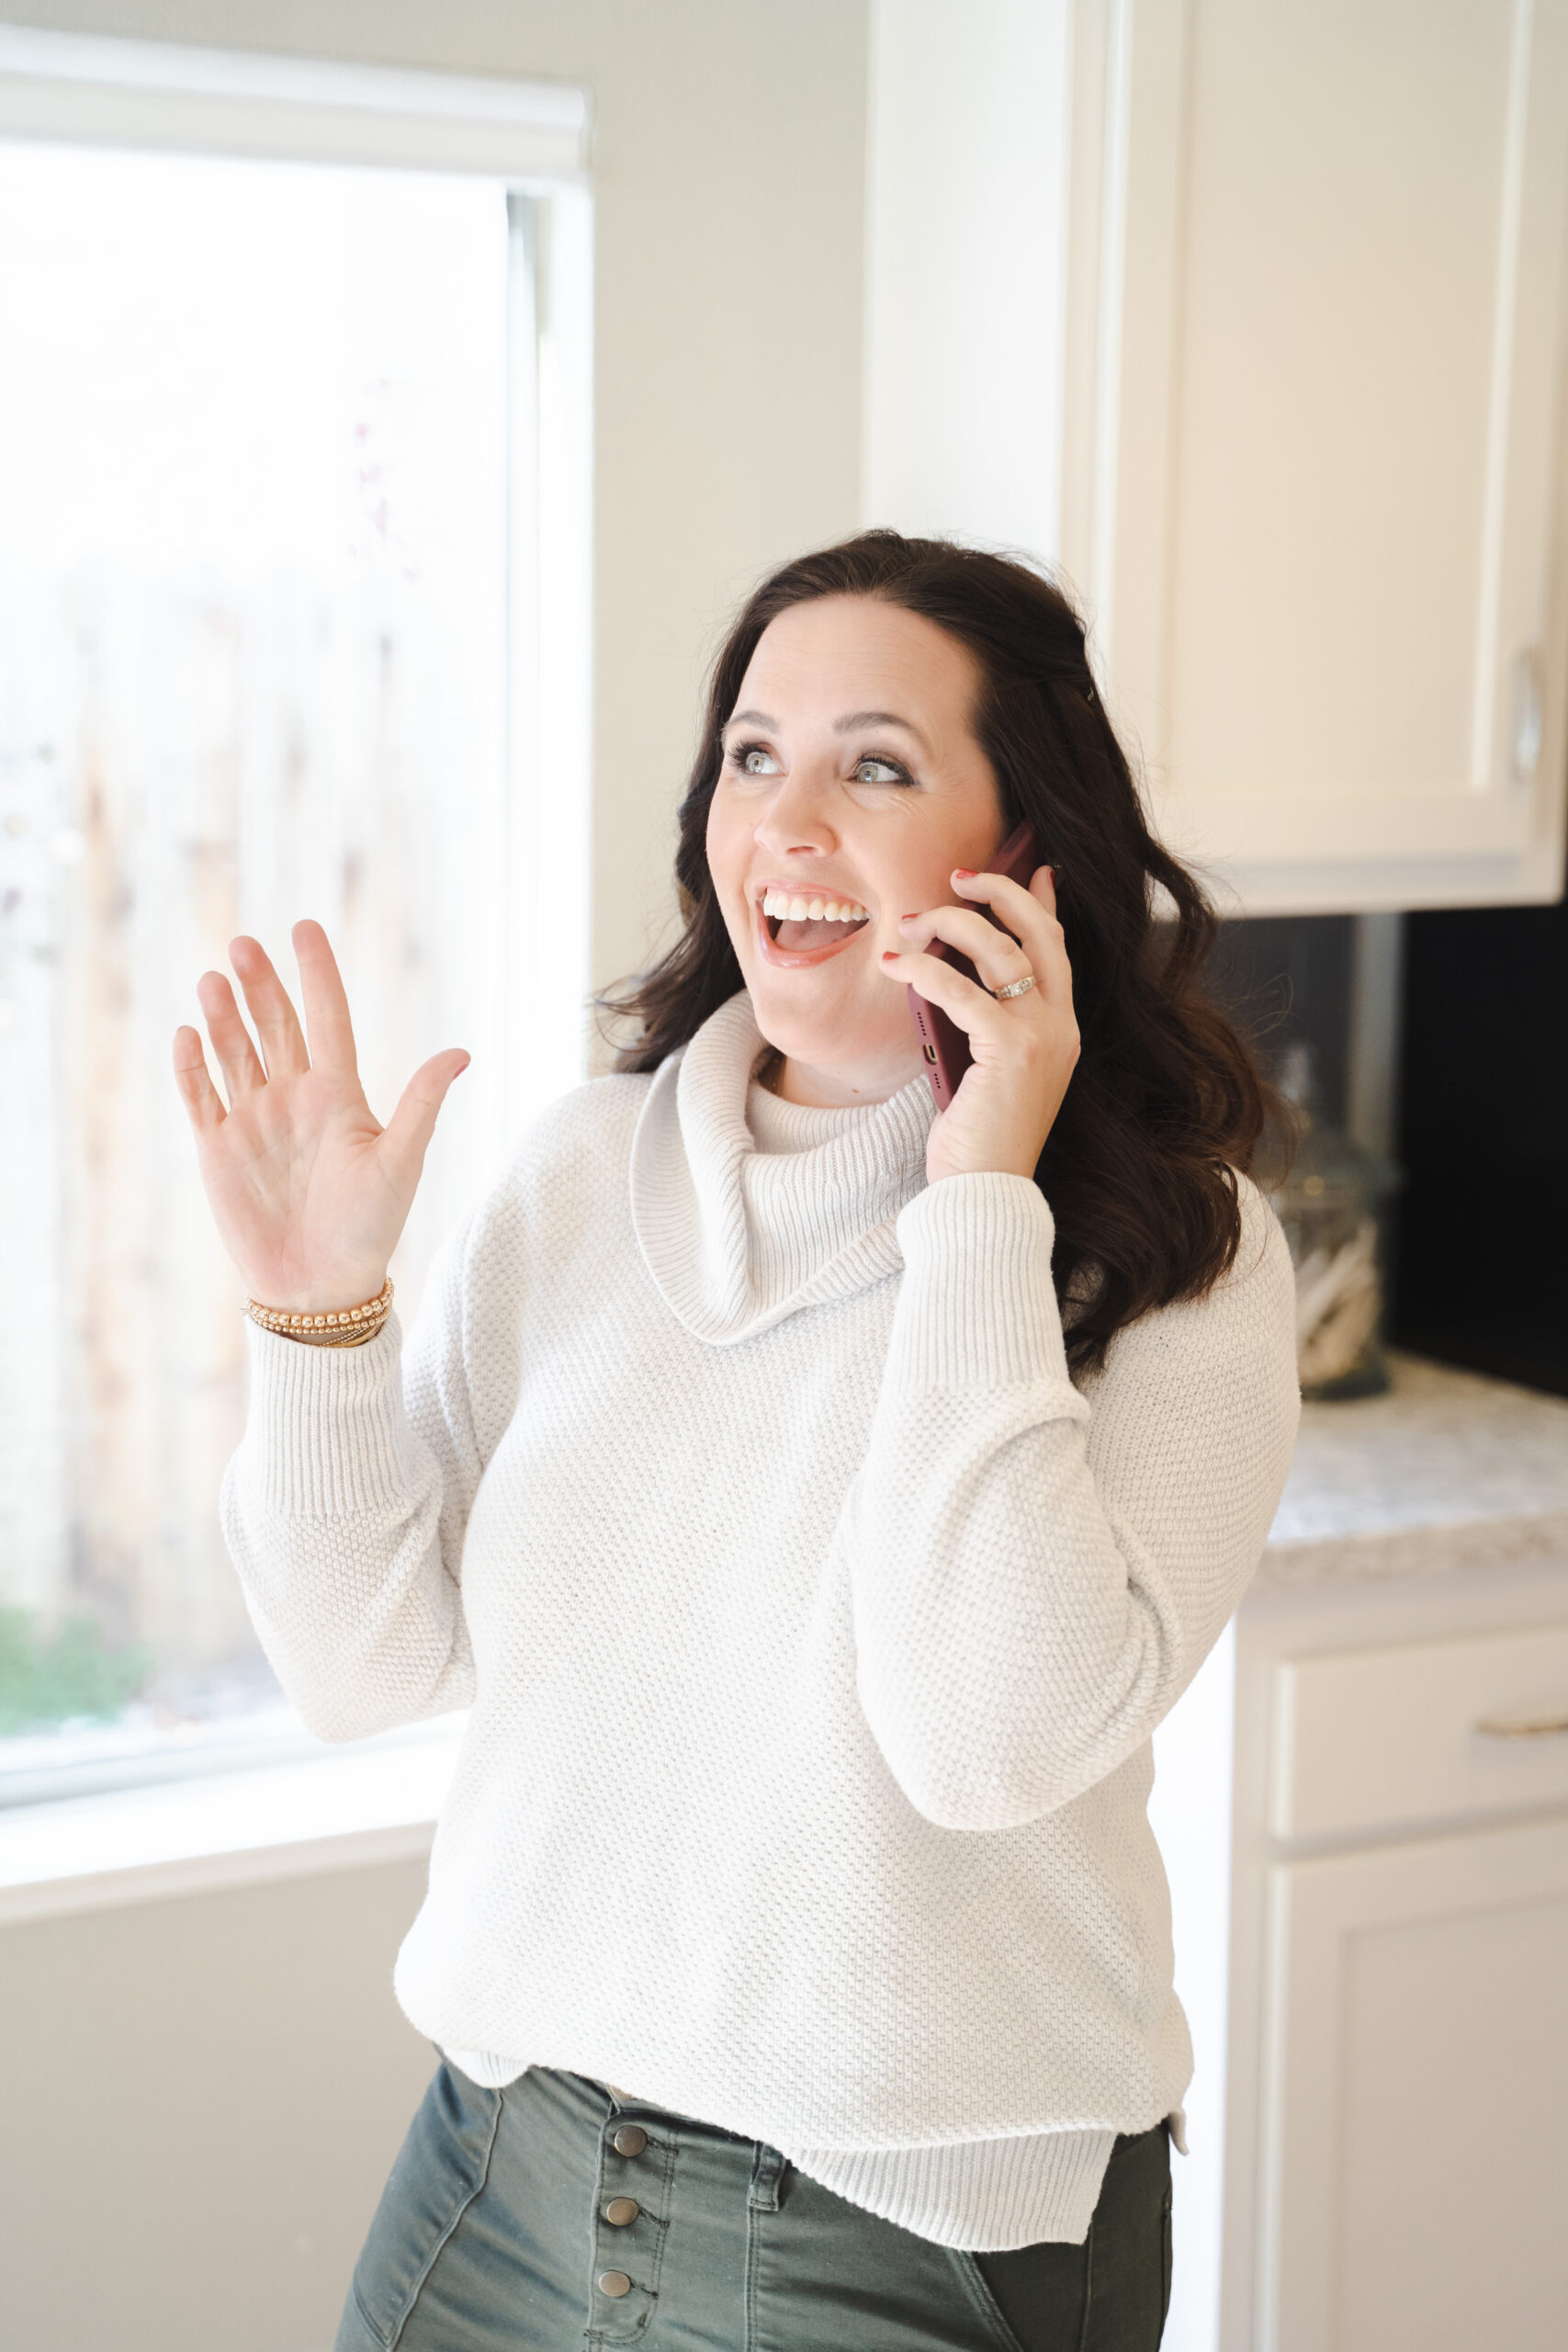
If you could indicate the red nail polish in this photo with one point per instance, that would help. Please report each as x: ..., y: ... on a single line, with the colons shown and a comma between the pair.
x: 890, y: 954
x: 963, y: 873
x: 913, y: 915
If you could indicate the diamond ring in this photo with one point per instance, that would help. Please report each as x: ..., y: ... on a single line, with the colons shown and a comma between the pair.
x: 1016, y: 987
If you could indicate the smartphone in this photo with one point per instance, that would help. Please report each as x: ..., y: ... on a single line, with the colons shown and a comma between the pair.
x: 944, y: 1044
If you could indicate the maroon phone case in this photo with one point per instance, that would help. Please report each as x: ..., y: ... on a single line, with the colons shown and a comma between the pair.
x: 944, y: 1044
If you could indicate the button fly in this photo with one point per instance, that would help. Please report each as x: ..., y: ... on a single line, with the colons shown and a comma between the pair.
x: 614, y: 2282
x: 629, y: 2141
x: 620, y: 2211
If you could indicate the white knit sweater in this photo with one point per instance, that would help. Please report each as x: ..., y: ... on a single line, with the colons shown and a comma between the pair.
x: 813, y: 1624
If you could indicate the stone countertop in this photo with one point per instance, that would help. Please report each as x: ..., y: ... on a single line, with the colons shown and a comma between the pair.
x: 1448, y: 1470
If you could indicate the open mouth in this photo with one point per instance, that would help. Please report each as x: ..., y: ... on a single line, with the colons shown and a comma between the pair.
x: 799, y: 923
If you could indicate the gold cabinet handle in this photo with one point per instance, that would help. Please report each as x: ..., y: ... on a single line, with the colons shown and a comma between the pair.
x: 1523, y: 1728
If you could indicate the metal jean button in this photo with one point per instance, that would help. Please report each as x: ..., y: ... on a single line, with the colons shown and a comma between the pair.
x: 614, y: 2282
x: 620, y: 2211
x: 630, y: 2139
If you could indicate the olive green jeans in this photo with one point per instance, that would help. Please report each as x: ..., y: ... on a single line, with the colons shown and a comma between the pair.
x: 550, y: 2215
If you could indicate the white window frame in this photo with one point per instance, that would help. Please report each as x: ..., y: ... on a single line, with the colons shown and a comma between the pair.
x: 77, y: 88
x: 533, y: 136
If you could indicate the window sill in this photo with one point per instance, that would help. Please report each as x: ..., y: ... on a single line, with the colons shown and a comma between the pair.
x: 340, y: 1811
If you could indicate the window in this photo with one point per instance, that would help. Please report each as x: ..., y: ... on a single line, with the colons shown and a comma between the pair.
x: 292, y: 589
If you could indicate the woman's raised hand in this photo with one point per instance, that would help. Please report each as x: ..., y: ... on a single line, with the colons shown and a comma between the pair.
x: 309, y: 1191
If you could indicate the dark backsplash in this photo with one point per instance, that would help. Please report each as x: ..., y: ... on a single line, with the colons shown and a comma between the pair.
x: 1481, y: 1272
x: 1479, y: 1231
x: 1287, y: 978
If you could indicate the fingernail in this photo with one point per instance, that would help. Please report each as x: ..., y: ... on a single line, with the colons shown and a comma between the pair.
x: 964, y: 874
x: 890, y: 954
x: 912, y: 918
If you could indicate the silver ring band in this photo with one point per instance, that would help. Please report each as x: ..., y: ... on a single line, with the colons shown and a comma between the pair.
x: 1016, y: 987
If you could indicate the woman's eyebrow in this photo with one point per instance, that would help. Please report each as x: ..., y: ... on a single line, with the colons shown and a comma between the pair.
x: 847, y: 725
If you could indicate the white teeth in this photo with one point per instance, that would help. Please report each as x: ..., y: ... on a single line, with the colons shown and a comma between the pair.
x: 779, y: 904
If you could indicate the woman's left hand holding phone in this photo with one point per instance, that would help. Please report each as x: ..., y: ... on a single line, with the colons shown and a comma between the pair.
x: 1025, y: 1048
x: 310, y: 1192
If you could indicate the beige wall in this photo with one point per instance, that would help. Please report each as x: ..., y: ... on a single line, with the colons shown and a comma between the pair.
x: 199, y: 2099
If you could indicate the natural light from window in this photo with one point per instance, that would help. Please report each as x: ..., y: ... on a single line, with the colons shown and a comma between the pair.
x: 257, y: 426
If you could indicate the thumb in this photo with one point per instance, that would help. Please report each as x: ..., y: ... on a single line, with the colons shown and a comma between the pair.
x: 411, y: 1125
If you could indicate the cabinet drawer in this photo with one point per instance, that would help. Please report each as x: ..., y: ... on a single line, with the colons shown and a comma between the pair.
x: 1428, y: 1731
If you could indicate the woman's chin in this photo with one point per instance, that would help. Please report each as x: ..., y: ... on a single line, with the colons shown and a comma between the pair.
x: 845, y: 1041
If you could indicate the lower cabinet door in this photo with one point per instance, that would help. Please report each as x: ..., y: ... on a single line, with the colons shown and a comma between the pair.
x: 1416, y: 2098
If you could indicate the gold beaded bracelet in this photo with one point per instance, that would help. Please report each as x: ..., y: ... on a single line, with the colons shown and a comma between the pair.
x: 342, y: 1326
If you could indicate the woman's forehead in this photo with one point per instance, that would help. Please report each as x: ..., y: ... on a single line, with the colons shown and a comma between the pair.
x: 860, y: 658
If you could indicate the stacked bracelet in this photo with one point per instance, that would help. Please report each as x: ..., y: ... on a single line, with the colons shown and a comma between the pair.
x: 342, y: 1326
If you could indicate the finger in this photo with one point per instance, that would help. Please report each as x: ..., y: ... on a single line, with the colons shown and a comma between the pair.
x: 1031, y: 913
x: 975, y: 1012
x: 204, y: 1104
x: 237, y: 1057
x: 278, y: 1024
x: 325, y: 1000
x: 995, y: 954
x: 411, y: 1125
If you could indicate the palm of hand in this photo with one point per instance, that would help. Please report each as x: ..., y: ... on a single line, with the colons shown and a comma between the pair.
x: 309, y: 1191
x: 293, y: 1182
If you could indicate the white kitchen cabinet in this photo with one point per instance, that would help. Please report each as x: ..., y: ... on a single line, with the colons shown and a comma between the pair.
x: 1250, y: 314
x: 1370, y: 1900
x: 1413, y: 2077
x: 1416, y: 2098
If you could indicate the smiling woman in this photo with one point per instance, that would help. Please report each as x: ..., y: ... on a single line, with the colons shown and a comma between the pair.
x: 879, y: 806
x: 823, y: 794
x: 880, y: 716
x: 858, y: 2027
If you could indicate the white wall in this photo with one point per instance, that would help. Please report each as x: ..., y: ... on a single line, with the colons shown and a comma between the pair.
x: 199, y: 2101
x: 193, y: 2088
x: 964, y: 327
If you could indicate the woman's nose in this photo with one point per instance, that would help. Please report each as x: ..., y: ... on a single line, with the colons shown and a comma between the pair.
x: 798, y: 815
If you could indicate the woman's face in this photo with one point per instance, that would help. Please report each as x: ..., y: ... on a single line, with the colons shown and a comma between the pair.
x: 851, y: 778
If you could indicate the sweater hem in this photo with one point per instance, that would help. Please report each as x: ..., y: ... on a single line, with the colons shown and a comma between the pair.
x: 981, y: 2196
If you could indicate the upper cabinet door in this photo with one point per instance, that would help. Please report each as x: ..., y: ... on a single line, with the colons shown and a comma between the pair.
x: 1304, y: 428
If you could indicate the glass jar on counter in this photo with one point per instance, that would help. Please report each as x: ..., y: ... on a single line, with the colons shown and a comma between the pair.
x: 1332, y: 1204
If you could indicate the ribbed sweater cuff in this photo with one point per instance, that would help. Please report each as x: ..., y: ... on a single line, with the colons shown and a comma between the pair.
x: 977, y: 1308
x: 1015, y: 2192
x: 325, y: 1434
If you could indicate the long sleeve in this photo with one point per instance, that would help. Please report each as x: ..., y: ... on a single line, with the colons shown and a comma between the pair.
x: 344, y: 1511
x: 1037, y: 1574
x: 743, y: 1493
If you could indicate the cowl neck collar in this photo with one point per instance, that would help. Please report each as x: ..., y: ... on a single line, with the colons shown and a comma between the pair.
x: 736, y: 1238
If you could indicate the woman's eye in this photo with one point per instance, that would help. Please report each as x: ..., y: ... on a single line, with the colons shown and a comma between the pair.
x: 873, y: 770
x: 754, y: 761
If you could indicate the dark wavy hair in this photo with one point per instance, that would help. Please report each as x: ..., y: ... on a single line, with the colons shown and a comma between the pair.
x: 1165, y: 1101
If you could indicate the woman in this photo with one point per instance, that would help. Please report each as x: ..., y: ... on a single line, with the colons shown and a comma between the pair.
x: 817, y: 1500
